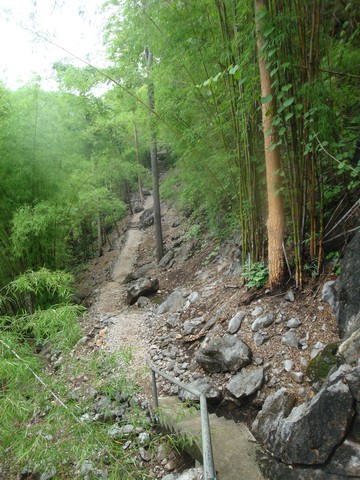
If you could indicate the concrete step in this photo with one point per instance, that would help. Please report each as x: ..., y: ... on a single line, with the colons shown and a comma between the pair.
x: 234, y: 447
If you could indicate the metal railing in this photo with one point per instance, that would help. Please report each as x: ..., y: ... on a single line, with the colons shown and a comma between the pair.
x: 208, y: 459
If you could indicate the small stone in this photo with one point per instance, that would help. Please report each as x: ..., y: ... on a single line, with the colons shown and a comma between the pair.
x: 260, y: 338
x: 143, y: 438
x: 171, y: 465
x: 263, y: 321
x: 290, y: 297
x: 235, y: 322
x: 293, y: 323
x: 298, y: 377
x: 257, y: 311
x: 288, y: 365
x: 290, y: 339
x: 145, y: 454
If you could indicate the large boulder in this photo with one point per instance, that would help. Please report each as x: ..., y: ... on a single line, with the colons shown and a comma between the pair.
x: 141, y: 287
x: 311, y: 432
x: 349, y: 288
x: 226, y: 354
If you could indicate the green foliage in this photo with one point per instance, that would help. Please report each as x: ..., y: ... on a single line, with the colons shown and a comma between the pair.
x: 193, y: 231
x: 255, y: 274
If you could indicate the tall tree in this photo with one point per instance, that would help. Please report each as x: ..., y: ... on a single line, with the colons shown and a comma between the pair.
x: 276, y: 216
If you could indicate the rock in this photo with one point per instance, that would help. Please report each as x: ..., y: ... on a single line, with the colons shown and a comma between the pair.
x: 290, y: 297
x: 330, y: 295
x: 316, y: 349
x: 143, y: 302
x: 349, y: 350
x: 246, y: 382
x: 204, y: 386
x: 115, y: 431
x: 210, y: 323
x: 346, y: 461
x: 311, y: 432
x: 140, y: 287
x: 228, y: 353
x: 349, y: 288
x: 276, y: 407
x: 174, y: 303
x: 288, y: 365
x: 320, y: 366
x: 169, y: 255
x: 145, y: 454
x: 235, y: 322
x: 257, y: 311
x: 186, y: 251
x: 147, y: 218
x: 191, y: 325
x: 261, y: 337
x: 293, y: 323
x: 263, y: 321
x: 139, y: 273
x: 143, y: 438
x: 290, y: 339
x: 50, y: 473
x: 172, y: 321
x: 298, y: 377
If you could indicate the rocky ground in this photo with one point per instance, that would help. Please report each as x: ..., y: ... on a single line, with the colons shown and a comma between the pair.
x: 282, y: 332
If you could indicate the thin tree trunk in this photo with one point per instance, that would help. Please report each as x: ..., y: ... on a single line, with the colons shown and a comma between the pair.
x: 140, y: 185
x: 275, y: 223
x: 154, y: 163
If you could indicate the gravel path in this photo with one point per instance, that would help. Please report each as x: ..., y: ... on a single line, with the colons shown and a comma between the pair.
x: 127, y: 329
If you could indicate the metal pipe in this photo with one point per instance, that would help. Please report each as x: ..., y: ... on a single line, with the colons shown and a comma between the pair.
x: 155, y: 391
x: 208, y: 458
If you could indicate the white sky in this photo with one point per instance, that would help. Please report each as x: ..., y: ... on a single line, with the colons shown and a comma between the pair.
x: 76, y: 25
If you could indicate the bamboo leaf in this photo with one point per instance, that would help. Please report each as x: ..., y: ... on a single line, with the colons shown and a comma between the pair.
x: 288, y: 102
x: 266, y: 99
x: 233, y: 69
x: 288, y: 116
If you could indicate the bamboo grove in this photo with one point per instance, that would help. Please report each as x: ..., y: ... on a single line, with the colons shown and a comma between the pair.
x: 207, y: 85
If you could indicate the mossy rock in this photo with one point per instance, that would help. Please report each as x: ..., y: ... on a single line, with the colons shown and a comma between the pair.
x: 319, y: 367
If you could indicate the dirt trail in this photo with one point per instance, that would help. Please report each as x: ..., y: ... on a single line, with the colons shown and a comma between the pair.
x: 127, y: 328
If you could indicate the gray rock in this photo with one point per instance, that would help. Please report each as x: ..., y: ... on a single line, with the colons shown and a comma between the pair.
x: 145, y: 454
x: 260, y: 338
x: 276, y: 407
x: 346, y: 461
x: 235, y: 322
x: 139, y: 273
x: 169, y: 255
x: 290, y: 339
x: 349, y: 350
x: 202, y: 384
x: 257, y: 311
x: 330, y: 295
x: 143, y: 302
x: 174, y: 303
x: 263, y: 321
x: 172, y: 321
x: 311, y: 432
x: 147, y: 218
x: 290, y: 297
x: 191, y: 325
x: 288, y: 365
x: 50, y: 473
x: 298, y: 377
x: 228, y: 353
x: 141, y: 287
x: 210, y: 323
x: 293, y: 323
x: 246, y: 382
x: 115, y: 431
x: 349, y: 288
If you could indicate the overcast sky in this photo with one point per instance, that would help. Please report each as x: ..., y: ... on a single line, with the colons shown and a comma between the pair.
x: 76, y: 25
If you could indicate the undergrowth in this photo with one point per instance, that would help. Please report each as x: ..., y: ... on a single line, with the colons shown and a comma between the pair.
x: 50, y: 426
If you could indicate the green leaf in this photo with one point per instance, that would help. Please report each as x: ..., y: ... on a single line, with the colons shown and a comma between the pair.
x: 233, y: 69
x: 216, y: 78
x: 288, y: 102
x: 282, y: 131
x: 287, y: 87
x: 276, y: 121
x: 266, y: 99
x: 271, y: 52
x: 273, y: 71
x: 288, y: 116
